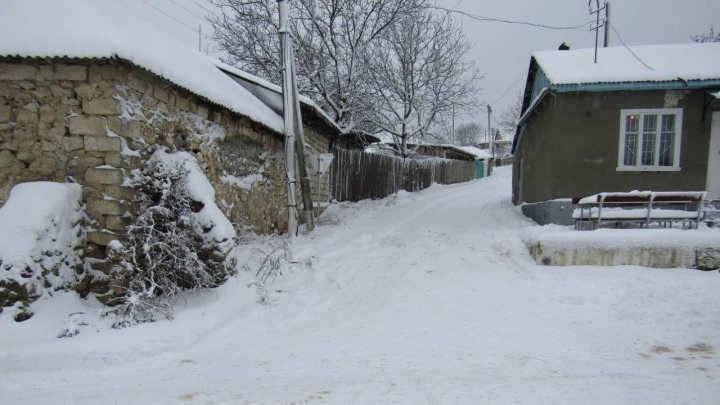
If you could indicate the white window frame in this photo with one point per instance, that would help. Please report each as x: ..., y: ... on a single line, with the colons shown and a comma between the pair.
x: 655, y: 167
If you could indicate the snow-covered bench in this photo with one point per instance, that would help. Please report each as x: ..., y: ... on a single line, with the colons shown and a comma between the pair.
x: 640, y: 207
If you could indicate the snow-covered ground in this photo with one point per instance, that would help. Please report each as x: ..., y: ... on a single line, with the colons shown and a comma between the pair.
x: 423, y: 298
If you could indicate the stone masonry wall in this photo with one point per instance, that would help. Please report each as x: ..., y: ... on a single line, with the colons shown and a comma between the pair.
x: 93, y: 122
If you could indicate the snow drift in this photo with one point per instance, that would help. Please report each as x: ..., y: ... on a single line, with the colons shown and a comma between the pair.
x: 40, y: 234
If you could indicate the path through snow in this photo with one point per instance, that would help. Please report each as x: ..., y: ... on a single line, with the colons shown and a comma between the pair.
x: 422, y: 298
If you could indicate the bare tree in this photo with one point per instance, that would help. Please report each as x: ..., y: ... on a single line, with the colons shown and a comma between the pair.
x: 419, y: 74
x: 468, y: 134
x: 710, y: 36
x: 508, y: 119
x: 331, y: 38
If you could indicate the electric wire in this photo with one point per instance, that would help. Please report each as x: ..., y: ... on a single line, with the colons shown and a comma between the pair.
x: 512, y: 86
x: 500, y: 20
x: 188, y: 10
x: 168, y: 15
x: 629, y: 50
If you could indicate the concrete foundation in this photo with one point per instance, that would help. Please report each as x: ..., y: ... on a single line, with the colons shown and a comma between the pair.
x: 550, y: 212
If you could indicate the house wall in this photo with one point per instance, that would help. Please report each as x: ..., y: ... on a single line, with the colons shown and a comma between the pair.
x: 570, y: 145
x: 93, y: 122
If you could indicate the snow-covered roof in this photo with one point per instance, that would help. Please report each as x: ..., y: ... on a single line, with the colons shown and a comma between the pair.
x: 618, y: 64
x: 106, y: 29
x: 479, y: 153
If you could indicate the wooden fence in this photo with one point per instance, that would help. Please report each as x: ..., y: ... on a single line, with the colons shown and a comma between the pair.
x: 357, y: 175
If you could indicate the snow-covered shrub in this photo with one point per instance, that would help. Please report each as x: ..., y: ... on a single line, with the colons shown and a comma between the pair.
x: 178, y: 243
x: 41, y: 234
x: 264, y: 257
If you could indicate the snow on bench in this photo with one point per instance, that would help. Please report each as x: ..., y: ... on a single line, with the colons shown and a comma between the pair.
x: 642, y: 207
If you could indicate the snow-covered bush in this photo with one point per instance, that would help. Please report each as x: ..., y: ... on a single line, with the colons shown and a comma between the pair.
x: 41, y: 234
x: 178, y: 243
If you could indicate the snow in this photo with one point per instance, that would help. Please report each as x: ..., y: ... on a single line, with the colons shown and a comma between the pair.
x: 479, y: 153
x: 39, y: 231
x: 419, y: 298
x: 557, y: 236
x: 107, y: 29
x: 213, y: 222
x: 617, y: 64
x: 245, y: 182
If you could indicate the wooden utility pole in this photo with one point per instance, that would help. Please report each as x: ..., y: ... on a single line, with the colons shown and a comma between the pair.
x: 288, y: 118
x: 293, y: 128
x: 607, y: 24
x: 598, y: 22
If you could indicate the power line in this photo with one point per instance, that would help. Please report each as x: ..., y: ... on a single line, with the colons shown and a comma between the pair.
x: 500, y: 20
x: 203, y: 7
x: 629, y: 50
x: 169, y: 16
x: 508, y: 89
x: 187, y: 9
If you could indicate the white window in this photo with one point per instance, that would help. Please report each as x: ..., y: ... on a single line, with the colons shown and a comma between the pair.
x: 650, y: 140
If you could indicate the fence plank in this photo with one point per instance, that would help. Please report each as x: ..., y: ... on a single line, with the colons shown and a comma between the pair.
x: 357, y: 175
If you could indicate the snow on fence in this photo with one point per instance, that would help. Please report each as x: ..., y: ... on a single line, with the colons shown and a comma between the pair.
x: 357, y: 175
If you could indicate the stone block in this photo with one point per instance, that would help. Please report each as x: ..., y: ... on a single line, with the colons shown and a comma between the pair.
x: 139, y: 84
x: 113, y: 159
x: 45, y: 166
x: 115, y: 125
x: 106, y: 72
x: 49, y: 114
x: 161, y: 93
x: 119, y: 192
x: 85, y: 161
x: 46, y: 73
x: 7, y: 159
x: 73, y: 143
x: 104, y: 176
x: 98, y: 208
x: 60, y: 92
x: 87, y: 126
x: 182, y: 103
x: 70, y: 102
x: 26, y: 85
x: 46, y: 146
x: 101, y: 106
x: 5, y: 113
x: 102, y: 144
x: 27, y: 117
x: 51, y: 134
x: 114, y: 223
x: 71, y: 72
x: 101, y: 238
x: 202, y: 111
x: 18, y: 72
x: 133, y: 130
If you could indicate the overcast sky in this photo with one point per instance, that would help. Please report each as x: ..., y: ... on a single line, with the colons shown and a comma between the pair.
x: 502, y: 51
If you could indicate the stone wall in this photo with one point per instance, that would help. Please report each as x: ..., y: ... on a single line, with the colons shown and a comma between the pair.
x: 94, y: 122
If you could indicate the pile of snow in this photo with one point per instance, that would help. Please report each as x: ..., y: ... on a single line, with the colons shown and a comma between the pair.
x: 565, y: 237
x: 107, y: 29
x: 213, y: 224
x: 619, y: 64
x: 419, y: 298
x: 40, y: 232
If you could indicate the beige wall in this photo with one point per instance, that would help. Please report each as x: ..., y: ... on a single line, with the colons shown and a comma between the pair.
x: 94, y: 122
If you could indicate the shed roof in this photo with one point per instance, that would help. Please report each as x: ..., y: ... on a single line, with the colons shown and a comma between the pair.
x: 646, y: 63
x: 94, y: 29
